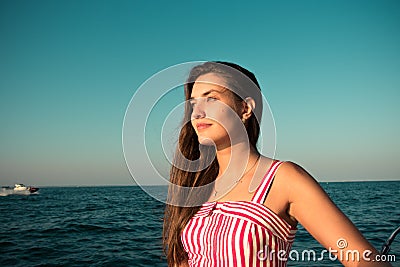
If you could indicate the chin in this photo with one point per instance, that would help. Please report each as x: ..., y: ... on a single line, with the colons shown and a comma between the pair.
x: 206, y: 141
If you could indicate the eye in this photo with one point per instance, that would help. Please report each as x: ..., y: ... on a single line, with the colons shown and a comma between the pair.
x: 211, y: 99
x: 192, y: 102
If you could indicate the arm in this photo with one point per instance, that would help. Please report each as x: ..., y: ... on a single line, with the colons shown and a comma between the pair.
x: 312, y: 207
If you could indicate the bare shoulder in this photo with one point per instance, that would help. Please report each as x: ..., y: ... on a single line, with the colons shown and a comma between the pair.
x: 293, y: 174
x: 287, y: 176
x: 291, y: 169
x: 296, y: 181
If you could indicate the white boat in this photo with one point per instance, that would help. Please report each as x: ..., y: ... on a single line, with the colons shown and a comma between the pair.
x: 19, y: 187
x: 24, y: 188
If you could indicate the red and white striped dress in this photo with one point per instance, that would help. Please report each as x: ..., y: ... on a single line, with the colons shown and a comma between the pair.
x: 239, y: 233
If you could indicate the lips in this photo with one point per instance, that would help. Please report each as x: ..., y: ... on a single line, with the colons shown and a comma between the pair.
x: 202, y: 126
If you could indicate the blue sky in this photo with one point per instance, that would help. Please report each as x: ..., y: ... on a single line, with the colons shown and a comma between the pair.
x: 329, y: 69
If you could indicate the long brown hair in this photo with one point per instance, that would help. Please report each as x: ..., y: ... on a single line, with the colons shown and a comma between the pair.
x: 177, y: 216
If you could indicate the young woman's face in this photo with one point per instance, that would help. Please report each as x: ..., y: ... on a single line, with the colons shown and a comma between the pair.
x: 215, y: 113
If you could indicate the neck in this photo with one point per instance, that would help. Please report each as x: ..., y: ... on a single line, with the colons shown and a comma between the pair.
x: 235, y: 155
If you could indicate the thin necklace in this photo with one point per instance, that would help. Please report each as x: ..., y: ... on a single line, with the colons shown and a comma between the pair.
x: 240, y: 178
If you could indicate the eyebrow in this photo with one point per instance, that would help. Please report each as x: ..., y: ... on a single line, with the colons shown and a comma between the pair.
x: 207, y: 93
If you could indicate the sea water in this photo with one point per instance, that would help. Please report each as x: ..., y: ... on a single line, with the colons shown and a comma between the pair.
x: 122, y: 226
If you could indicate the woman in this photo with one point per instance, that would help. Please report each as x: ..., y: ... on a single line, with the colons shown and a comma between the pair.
x: 248, y: 205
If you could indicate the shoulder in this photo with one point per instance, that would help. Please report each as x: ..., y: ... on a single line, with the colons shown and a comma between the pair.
x: 291, y: 172
x: 294, y: 179
x: 300, y: 187
x: 289, y: 167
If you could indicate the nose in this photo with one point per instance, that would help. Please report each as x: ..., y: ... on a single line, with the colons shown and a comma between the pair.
x: 198, y: 111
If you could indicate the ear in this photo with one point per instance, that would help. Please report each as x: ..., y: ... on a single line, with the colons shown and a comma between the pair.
x: 248, y: 106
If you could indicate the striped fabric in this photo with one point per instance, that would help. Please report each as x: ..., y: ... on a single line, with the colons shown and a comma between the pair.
x: 239, y: 233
